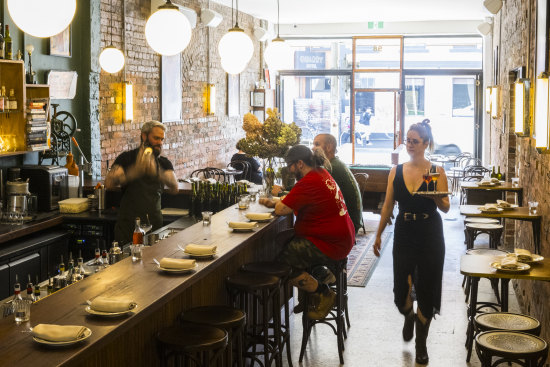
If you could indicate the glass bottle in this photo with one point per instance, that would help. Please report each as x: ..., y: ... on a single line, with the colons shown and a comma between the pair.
x: 70, y: 263
x: 50, y: 284
x: 493, y: 173
x: 61, y: 266
x: 97, y: 258
x: 3, y: 102
x: 2, y: 43
x: 7, y: 44
x: 21, y: 307
x: 12, y: 101
x: 137, y: 240
x: 36, y: 289
x: 104, y: 258
x: 499, y: 175
x: 30, y: 291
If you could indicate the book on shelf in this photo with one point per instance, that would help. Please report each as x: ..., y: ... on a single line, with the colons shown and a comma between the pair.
x: 36, y: 120
x: 35, y: 111
x: 38, y: 147
x: 37, y: 128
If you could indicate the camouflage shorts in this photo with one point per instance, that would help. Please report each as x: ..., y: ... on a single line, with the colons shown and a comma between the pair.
x: 301, y: 254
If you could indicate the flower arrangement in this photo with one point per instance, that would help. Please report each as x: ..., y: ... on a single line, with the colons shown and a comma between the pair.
x: 270, y: 139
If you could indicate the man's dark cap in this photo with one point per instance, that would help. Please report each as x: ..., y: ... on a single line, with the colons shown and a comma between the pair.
x: 297, y: 153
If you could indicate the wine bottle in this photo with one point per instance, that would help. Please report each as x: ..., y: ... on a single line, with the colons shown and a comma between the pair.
x: 493, y: 173
x: 50, y: 284
x: 499, y: 175
x: 8, y: 44
x: 29, y: 297
x: 137, y: 240
x: 2, y: 43
x: 36, y: 289
x: 12, y: 101
x: 61, y: 266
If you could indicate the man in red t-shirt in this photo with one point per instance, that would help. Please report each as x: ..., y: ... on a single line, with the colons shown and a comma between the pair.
x: 324, y: 231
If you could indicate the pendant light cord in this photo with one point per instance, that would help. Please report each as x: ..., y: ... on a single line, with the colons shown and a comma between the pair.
x: 237, y: 14
x: 278, y: 20
x: 111, y: 20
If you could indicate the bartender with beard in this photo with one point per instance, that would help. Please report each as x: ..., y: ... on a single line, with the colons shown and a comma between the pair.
x: 142, y: 174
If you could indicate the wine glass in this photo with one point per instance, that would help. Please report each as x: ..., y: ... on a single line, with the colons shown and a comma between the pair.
x: 427, y: 178
x: 146, y: 225
x: 435, y: 177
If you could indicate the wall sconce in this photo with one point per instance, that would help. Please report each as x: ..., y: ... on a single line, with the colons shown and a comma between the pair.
x: 128, y: 101
x: 541, y: 112
x: 494, y: 101
x: 210, y: 99
x: 488, y: 91
x: 493, y: 6
x: 521, y: 107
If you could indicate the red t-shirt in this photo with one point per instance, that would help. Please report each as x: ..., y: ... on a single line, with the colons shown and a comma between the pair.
x: 321, y: 214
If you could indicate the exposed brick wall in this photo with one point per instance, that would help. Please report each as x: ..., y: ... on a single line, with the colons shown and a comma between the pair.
x: 514, y: 33
x: 198, y: 140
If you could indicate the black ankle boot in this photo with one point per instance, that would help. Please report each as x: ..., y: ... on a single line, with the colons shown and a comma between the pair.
x: 408, y: 326
x: 421, y: 336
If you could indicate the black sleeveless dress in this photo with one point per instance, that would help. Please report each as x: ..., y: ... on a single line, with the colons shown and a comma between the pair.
x: 418, y: 248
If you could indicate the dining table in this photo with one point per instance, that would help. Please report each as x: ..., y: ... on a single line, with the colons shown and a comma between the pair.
x: 520, y: 213
x: 470, y: 186
x: 481, y: 266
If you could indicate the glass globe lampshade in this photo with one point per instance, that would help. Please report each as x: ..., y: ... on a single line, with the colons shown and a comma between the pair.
x: 42, y: 18
x: 278, y: 55
x: 111, y: 59
x: 235, y: 49
x: 168, y: 30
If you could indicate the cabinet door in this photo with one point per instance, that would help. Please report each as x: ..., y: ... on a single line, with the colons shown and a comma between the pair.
x: 4, y: 281
x: 29, y: 264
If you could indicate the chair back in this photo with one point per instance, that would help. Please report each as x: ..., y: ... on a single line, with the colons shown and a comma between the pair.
x: 475, y: 172
x: 209, y: 172
x: 242, y: 166
x: 361, y: 179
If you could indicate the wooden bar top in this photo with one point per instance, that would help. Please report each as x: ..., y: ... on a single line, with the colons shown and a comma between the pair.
x: 152, y: 289
x: 480, y: 266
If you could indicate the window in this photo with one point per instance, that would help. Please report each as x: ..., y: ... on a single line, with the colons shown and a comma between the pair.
x: 414, y: 96
x: 463, y: 97
x: 443, y: 53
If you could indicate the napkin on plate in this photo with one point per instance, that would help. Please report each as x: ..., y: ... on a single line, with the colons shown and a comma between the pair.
x: 105, y: 304
x: 242, y: 225
x: 509, y: 262
x: 200, y: 249
x: 523, y: 255
x: 495, y: 180
x: 58, y: 333
x: 485, y: 182
x: 182, y: 264
x: 258, y: 216
x: 503, y: 204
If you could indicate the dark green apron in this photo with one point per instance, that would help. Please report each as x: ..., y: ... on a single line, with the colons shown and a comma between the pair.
x: 141, y: 197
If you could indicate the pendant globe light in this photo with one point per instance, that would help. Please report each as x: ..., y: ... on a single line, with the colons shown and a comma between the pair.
x: 42, y: 18
x: 168, y: 30
x: 235, y: 48
x: 111, y: 59
x: 278, y: 54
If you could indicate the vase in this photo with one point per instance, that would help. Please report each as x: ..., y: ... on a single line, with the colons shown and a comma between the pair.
x: 268, y: 175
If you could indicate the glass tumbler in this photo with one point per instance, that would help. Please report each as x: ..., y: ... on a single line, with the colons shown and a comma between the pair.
x: 533, y: 207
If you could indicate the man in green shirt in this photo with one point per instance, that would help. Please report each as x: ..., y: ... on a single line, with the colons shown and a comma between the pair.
x: 343, y: 177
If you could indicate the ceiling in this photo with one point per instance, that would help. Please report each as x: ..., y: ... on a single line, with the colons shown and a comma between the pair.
x: 357, y: 11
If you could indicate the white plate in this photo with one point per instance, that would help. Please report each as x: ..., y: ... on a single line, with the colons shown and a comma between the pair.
x: 492, y: 211
x: 87, y: 334
x: 178, y: 271
x: 520, y: 267
x: 488, y: 184
x: 534, y: 259
x: 89, y: 310
x: 200, y: 256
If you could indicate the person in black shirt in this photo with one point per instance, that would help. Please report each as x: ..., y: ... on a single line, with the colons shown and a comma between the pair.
x: 142, y: 174
x: 256, y: 172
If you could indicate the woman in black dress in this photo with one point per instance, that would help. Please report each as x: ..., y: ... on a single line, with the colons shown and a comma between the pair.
x: 419, y: 246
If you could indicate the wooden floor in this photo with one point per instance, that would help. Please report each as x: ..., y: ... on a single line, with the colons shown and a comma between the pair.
x: 374, y: 339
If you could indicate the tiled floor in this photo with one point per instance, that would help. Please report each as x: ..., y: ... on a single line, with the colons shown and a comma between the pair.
x: 374, y: 339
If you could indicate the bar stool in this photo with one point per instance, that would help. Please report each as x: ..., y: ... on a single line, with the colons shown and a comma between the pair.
x: 255, y: 293
x: 196, y: 345
x: 511, y: 346
x: 230, y: 319
x: 281, y: 271
x: 473, y: 230
x: 335, y: 316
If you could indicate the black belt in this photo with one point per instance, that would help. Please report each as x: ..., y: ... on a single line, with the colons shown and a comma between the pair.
x: 415, y: 216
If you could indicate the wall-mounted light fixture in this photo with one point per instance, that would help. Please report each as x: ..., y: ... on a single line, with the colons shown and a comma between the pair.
x: 210, y: 99
x: 494, y: 101
x: 541, y: 112
x: 521, y: 107
x: 488, y: 91
x: 128, y: 101
x: 493, y: 6
x: 486, y: 27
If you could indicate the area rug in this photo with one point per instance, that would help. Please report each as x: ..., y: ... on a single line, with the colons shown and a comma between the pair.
x: 361, y: 259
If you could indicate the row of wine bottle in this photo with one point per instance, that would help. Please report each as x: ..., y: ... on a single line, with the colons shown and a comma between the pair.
x: 497, y: 174
x: 207, y: 196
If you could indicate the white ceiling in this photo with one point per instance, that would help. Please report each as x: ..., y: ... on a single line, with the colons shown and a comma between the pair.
x: 357, y: 11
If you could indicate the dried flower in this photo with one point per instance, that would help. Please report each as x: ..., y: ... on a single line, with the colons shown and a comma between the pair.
x: 270, y: 139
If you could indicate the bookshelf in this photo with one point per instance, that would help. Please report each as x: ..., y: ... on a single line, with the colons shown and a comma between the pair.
x: 260, y: 101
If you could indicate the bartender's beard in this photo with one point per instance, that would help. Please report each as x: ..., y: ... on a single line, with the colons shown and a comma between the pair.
x: 157, y: 149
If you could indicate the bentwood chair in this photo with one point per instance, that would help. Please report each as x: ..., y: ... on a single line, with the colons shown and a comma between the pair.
x: 362, y: 179
x: 243, y: 166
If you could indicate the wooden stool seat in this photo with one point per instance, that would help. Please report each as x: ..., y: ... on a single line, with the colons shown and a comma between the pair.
x: 232, y: 320
x: 268, y: 267
x: 245, y: 282
x: 473, y: 230
x: 510, y: 346
x: 507, y: 321
x: 484, y: 226
x: 198, y: 343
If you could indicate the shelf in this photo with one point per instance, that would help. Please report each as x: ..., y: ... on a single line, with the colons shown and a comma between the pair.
x: 37, y: 86
x: 19, y: 152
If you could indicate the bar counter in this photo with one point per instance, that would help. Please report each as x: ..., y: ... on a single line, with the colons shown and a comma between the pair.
x: 161, y: 297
